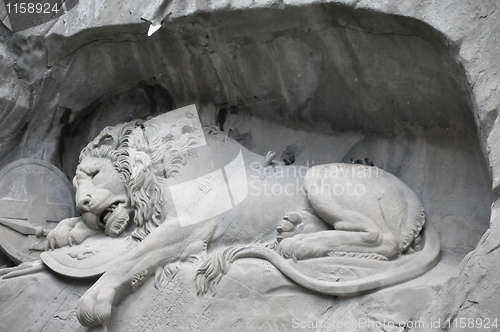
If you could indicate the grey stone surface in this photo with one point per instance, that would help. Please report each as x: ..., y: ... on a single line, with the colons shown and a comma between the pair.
x: 415, y: 89
x: 254, y: 296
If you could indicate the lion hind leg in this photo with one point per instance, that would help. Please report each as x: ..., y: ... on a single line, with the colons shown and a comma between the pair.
x: 336, y: 243
x: 359, y: 224
x: 354, y: 232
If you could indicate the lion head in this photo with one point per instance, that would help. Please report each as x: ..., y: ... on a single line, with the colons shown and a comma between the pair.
x: 121, y: 173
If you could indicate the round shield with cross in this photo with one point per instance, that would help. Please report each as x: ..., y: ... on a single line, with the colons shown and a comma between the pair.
x: 34, y: 197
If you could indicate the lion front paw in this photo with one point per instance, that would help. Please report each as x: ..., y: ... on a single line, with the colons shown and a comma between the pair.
x: 60, y: 236
x: 70, y: 232
x: 94, y: 307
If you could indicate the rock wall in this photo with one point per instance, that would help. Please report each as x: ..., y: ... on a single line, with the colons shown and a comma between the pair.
x: 411, y: 85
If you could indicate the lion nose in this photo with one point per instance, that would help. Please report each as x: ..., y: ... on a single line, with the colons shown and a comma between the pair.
x: 83, y: 204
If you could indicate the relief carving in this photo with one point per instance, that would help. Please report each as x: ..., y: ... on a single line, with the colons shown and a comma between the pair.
x: 170, y: 190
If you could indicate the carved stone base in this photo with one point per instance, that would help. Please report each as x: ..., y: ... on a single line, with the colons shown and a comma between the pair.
x: 251, y: 286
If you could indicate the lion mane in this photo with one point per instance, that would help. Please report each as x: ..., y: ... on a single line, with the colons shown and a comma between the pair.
x: 145, y: 154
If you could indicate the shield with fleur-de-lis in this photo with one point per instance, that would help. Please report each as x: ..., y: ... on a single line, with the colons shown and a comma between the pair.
x: 34, y: 197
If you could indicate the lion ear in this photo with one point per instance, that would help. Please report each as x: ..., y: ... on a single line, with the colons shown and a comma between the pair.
x: 106, y: 139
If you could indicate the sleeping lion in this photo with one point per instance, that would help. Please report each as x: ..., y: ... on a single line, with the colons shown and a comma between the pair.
x: 192, y: 191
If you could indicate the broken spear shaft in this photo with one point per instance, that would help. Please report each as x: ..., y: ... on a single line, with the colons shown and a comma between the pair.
x: 24, y: 227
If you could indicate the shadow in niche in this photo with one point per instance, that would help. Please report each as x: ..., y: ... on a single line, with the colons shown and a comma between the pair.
x: 144, y: 99
x: 337, y: 83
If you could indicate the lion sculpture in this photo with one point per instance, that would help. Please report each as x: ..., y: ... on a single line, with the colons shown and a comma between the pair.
x: 129, y: 172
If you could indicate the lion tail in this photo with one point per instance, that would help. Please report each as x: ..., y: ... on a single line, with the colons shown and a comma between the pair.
x: 212, y: 271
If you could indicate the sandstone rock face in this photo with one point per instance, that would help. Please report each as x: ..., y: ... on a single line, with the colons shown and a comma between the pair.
x: 412, y: 86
